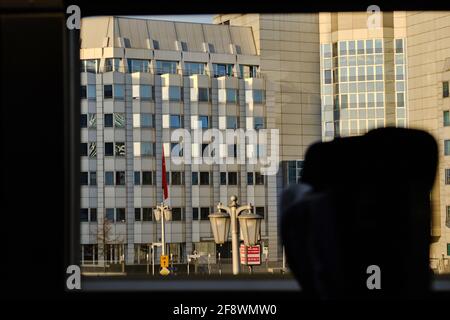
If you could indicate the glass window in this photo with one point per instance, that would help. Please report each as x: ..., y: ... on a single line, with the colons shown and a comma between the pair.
x: 327, y: 76
x: 89, y: 65
x: 176, y: 214
x: 342, y: 48
x: 361, y: 74
x: 258, y: 96
x: 147, y: 214
x: 204, y: 120
x: 83, y: 92
x: 231, y: 95
x: 84, y: 215
x: 137, y: 178
x: 344, y: 101
x: 174, y: 93
x: 351, y: 47
x: 380, y: 100
x: 379, y: 73
x: 120, y: 214
x: 120, y: 149
x: 249, y: 178
x: 232, y: 122
x: 112, y: 64
x: 93, y: 215
x: 176, y: 149
x: 109, y: 214
x: 258, y: 123
x: 147, y: 149
x: 447, y: 147
x: 194, y: 213
x: 446, y: 118
x: 343, y: 72
x: 137, y: 214
x: 260, y: 211
x: 445, y: 89
x: 223, y: 178
x: 83, y: 120
x: 93, y: 178
x: 221, y: 70
x: 204, y: 213
x: 108, y: 120
x: 360, y: 46
x: 447, y: 176
x: 83, y: 149
x: 378, y: 46
x: 194, y: 178
x: 399, y: 45
x: 399, y: 72
x: 155, y: 44
x: 91, y: 95
x: 194, y: 68
x: 109, y: 148
x: 175, y: 121
x: 138, y: 65
x: 352, y: 74
x: 84, y: 179
x: 369, y: 46
x: 143, y: 92
x: 119, y: 120
x: 361, y: 100
x: 232, y: 178
x: 203, y: 94
x: 107, y: 91
x: 259, y: 178
x: 204, y: 178
x: 326, y: 50
x: 120, y: 178
x: 147, y: 178
x: 109, y: 178
x: 176, y: 178
x: 146, y: 120
x: 248, y: 71
x: 163, y: 67
x: 400, y: 100
x: 92, y: 120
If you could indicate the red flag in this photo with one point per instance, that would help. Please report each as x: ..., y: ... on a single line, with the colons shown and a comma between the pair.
x: 164, y: 177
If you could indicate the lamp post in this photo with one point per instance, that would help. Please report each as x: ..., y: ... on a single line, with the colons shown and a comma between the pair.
x: 163, y: 213
x: 250, y: 227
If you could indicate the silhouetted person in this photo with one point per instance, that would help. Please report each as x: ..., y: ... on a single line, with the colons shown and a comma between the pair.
x: 362, y: 201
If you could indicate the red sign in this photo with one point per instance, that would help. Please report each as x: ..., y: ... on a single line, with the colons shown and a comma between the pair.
x: 250, y: 255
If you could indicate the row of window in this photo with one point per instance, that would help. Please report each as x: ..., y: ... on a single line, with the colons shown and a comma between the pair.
x: 167, y: 66
x: 353, y: 47
x: 174, y: 93
x: 146, y: 214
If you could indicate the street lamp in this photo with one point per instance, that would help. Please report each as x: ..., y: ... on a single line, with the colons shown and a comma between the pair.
x: 220, y: 224
x: 163, y: 212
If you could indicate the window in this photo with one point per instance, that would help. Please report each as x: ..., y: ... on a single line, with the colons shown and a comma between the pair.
x: 137, y: 214
x: 107, y: 91
x: 83, y: 92
x: 221, y: 70
x: 249, y: 178
x: 231, y: 95
x: 109, y: 214
x: 351, y: 47
x: 194, y: 178
x: 204, y: 120
x: 258, y: 96
x: 446, y: 118
x: 176, y: 214
x: 120, y: 178
x: 113, y: 91
x: 259, y: 123
x: 143, y: 92
x: 176, y: 149
x: 108, y: 120
x: 223, y: 178
x: 232, y: 150
x: 447, y: 176
x: 448, y: 249
x: 176, y: 178
x: 155, y: 44
x: 83, y: 149
x: 176, y: 121
x: 92, y: 120
x: 204, y: 178
x: 327, y: 76
x: 447, y: 218
x: 93, y: 178
x: 120, y: 149
x: 360, y: 45
x: 112, y: 64
x: 109, y: 178
x: 174, y: 93
x: 147, y: 214
x: 120, y: 214
x: 137, y: 178
x: 400, y: 100
x: 204, y: 213
x: 203, y: 94
x: 92, y: 149
x: 259, y: 178
x: 119, y: 120
x: 232, y: 122
x: 445, y: 89
x: 146, y: 120
x: 90, y: 65
x: 194, y: 213
x: 369, y: 46
x: 84, y: 178
x: 93, y: 216
x: 163, y: 67
x: 342, y: 48
x: 194, y: 68
x: 147, y: 178
x: 138, y: 65
x: 248, y: 71
x: 260, y: 211
x: 378, y: 46
x: 447, y: 147
x: 399, y: 73
x: 83, y: 120
x: 147, y: 149
x: 398, y: 45
x: 84, y: 215
x: 232, y: 178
